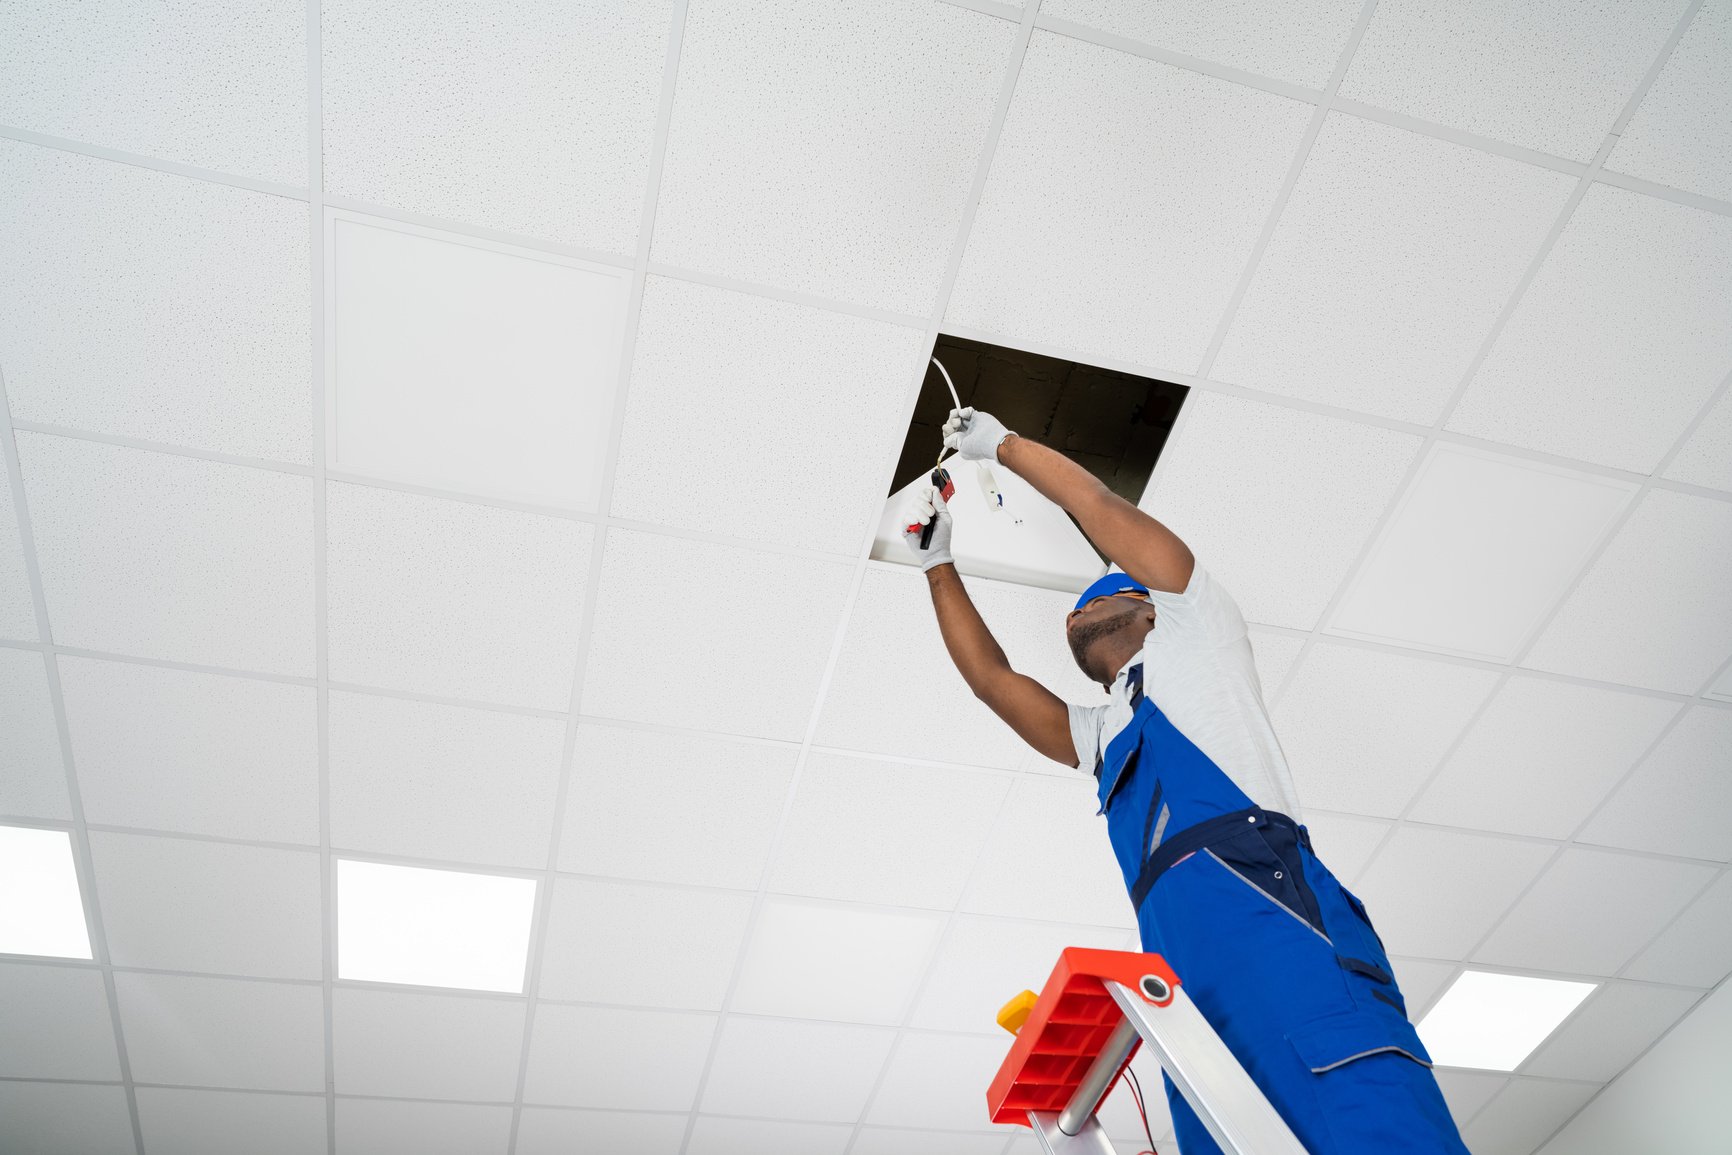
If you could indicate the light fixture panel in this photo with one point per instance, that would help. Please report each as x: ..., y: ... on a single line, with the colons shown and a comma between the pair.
x: 41, y: 907
x: 1495, y: 1021
x: 435, y: 928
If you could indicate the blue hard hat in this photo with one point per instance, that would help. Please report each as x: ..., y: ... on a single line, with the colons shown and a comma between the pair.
x: 1108, y: 584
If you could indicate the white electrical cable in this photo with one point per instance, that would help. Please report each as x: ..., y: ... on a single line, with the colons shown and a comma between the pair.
x: 988, y: 483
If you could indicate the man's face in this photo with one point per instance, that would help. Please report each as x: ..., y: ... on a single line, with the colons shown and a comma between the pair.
x: 1104, y: 617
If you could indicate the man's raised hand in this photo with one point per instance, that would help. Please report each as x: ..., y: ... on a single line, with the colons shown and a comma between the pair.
x: 975, y: 436
x: 926, y: 506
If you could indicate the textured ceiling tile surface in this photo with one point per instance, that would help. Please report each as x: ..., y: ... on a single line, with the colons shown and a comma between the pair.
x: 1677, y: 800
x: 65, y: 1119
x: 1651, y: 282
x: 436, y: 781
x: 982, y: 960
x: 154, y: 306
x: 379, y: 1126
x: 610, y: 1057
x: 748, y: 379
x: 32, y: 768
x: 1434, y: 893
x: 166, y: 749
x: 1696, y: 949
x: 716, y: 1136
x: 1276, y: 503
x: 414, y: 115
x: 1345, y: 842
x: 1523, y: 1114
x: 1467, y: 1091
x: 561, y: 1130
x: 1679, y: 135
x: 935, y: 1080
x: 223, y: 1033
x: 1706, y: 458
x: 1125, y: 198
x: 1551, y: 77
x: 17, y: 609
x: 1616, y: 1024
x: 816, y: 1072
x: 447, y: 597
x: 1421, y: 982
x: 54, y: 1024
x: 1275, y: 654
x: 220, y: 1122
x: 1393, y: 256
x: 801, y: 953
x: 420, y: 1046
x: 169, y: 557
x: 885, y: 1141
x: 1048, y: 858
x: 828, y: 152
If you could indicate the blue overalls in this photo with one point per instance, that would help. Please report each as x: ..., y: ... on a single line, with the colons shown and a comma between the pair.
x: 1278, y: 956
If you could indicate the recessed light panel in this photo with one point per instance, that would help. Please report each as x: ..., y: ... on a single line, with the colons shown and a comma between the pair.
x: 1494, y: 1021
x: 41, y: 908
x: 434, y: 928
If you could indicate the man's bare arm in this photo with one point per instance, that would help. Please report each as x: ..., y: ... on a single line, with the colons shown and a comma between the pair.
x: 1039, y: 716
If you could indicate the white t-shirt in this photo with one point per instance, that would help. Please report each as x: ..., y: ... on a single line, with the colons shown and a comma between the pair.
x: 1197, y: 668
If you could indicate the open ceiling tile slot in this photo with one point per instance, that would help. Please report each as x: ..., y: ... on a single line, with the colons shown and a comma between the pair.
x: 1113, y: 424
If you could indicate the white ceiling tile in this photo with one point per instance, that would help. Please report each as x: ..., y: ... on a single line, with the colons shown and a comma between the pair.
x: 1652, y: 610
x: 1541, y: 757
x: 32, y: 772
x: 1678, y: 135
x: 560, y: 1131
x: 469, y: 365
x: 1362, y: 729
x: 650, y: 946
x: 1523, y: 1114
x: 202, y: 84
x: 984, y: 962
x: 54, y: 1024
x: 1048, y: 858
x: 65, y: 1119
x: 673, y: 807
x: 1706, y: 458
x: 382, y: 1127
x: 406, y: 1045
x: 881, y: 832
x: 611, y: 1057
x: 446, y: 782
x: 220, y: 1122
x: 1275, y: 654
x: 173, y: 904
x: 446, y: 597
x: 223, y: 1032
x: 17, y: 605
x: 1124, y: 200
x: 885, y: 1141
x: 1652, y: 282
x: 171, y: 557
x: 747, y: 661
x: 1420, y: 981
x: 166, y: 749
x: 1467, y: 1091
x: 816, y: 1072
x: 1345, y: 843
x: 1393, y: 256
x: 1480, y: 549
x: 714, y: 1136
x: 1434, y: 893
x: 828, y: 151
x: 1291, y: 40
x: 1277, y: 503
x: 414, y: 115
x: 155, y: 306
x: 1696, y: 949
x: 1551, y: 77
x: 748, y: 378
x: 1677, y: 800
x: 1591, y: 911
x: 939, y: 1081
x: 1616, y: 1024
x: 802, y: 953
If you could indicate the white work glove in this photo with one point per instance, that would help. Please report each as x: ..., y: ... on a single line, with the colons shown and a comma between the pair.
x: 975, y: 436
x: 928, y: 504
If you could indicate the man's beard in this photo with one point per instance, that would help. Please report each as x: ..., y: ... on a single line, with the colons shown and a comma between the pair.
x: 1083, y: 637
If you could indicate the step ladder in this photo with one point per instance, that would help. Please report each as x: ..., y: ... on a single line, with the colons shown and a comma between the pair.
x: 1076, y: 1038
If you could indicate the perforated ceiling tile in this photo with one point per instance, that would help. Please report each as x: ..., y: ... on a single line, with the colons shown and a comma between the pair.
x: 1551, y: 77
x: 982, y: 962
x: 217, y: 1122
x: 1592, y: 910
x: 1434, y: 893
x: 445, y: 782
x: 1467, y: 1091
x: 1541, y: 757
x: 54, y: 1024
x: 1696, y: 949
x: 1363, y: 729
x: 717, y: 1136
x: 223, y: 1033
x: 561, y: 1130
x: 1344, y: 842
x: 802, y: 953
x: 1706, y: 458
x: 1124, y: 200
x: 174, y: 904
x: 17, y: 609
x: 1652, y: 282
x: 1275, y: 654
x: 375, y: 1126
x: 818, y: 1072
x: 1615, y: 1025
x: 1393, y: 256
x: 711, y: 637
x: 414, y: 115
x: 166, y: 749
x: 398, y: 1044
x: 1523, y: 1114
x: 623, y: 1059
x: 1421, y: 982
x: 673, y: 808
x: 749, y: 379
x: 827, y: 152
x: 1048, y: 858
x: 451, y: 598
x: 65, y: 1119
x: 1677, y: 800
x: 1678, y: 135
x: 32, y: 768
x: 1276, y: 503
x: 880, y: 832
x: 936, y: 1081
x: 170, y: 557
x: 155, y: 306
x: 885, y: 1141
x: 647, y: 946
x: 1652, y: 611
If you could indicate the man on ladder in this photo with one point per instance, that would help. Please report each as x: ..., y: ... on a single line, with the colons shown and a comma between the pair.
x: 1203, y: 818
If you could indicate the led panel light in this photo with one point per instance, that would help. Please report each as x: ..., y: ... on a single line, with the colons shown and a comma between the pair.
x: 1494, y: 1021
x: 41, y: 907
x: 432, y: 928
